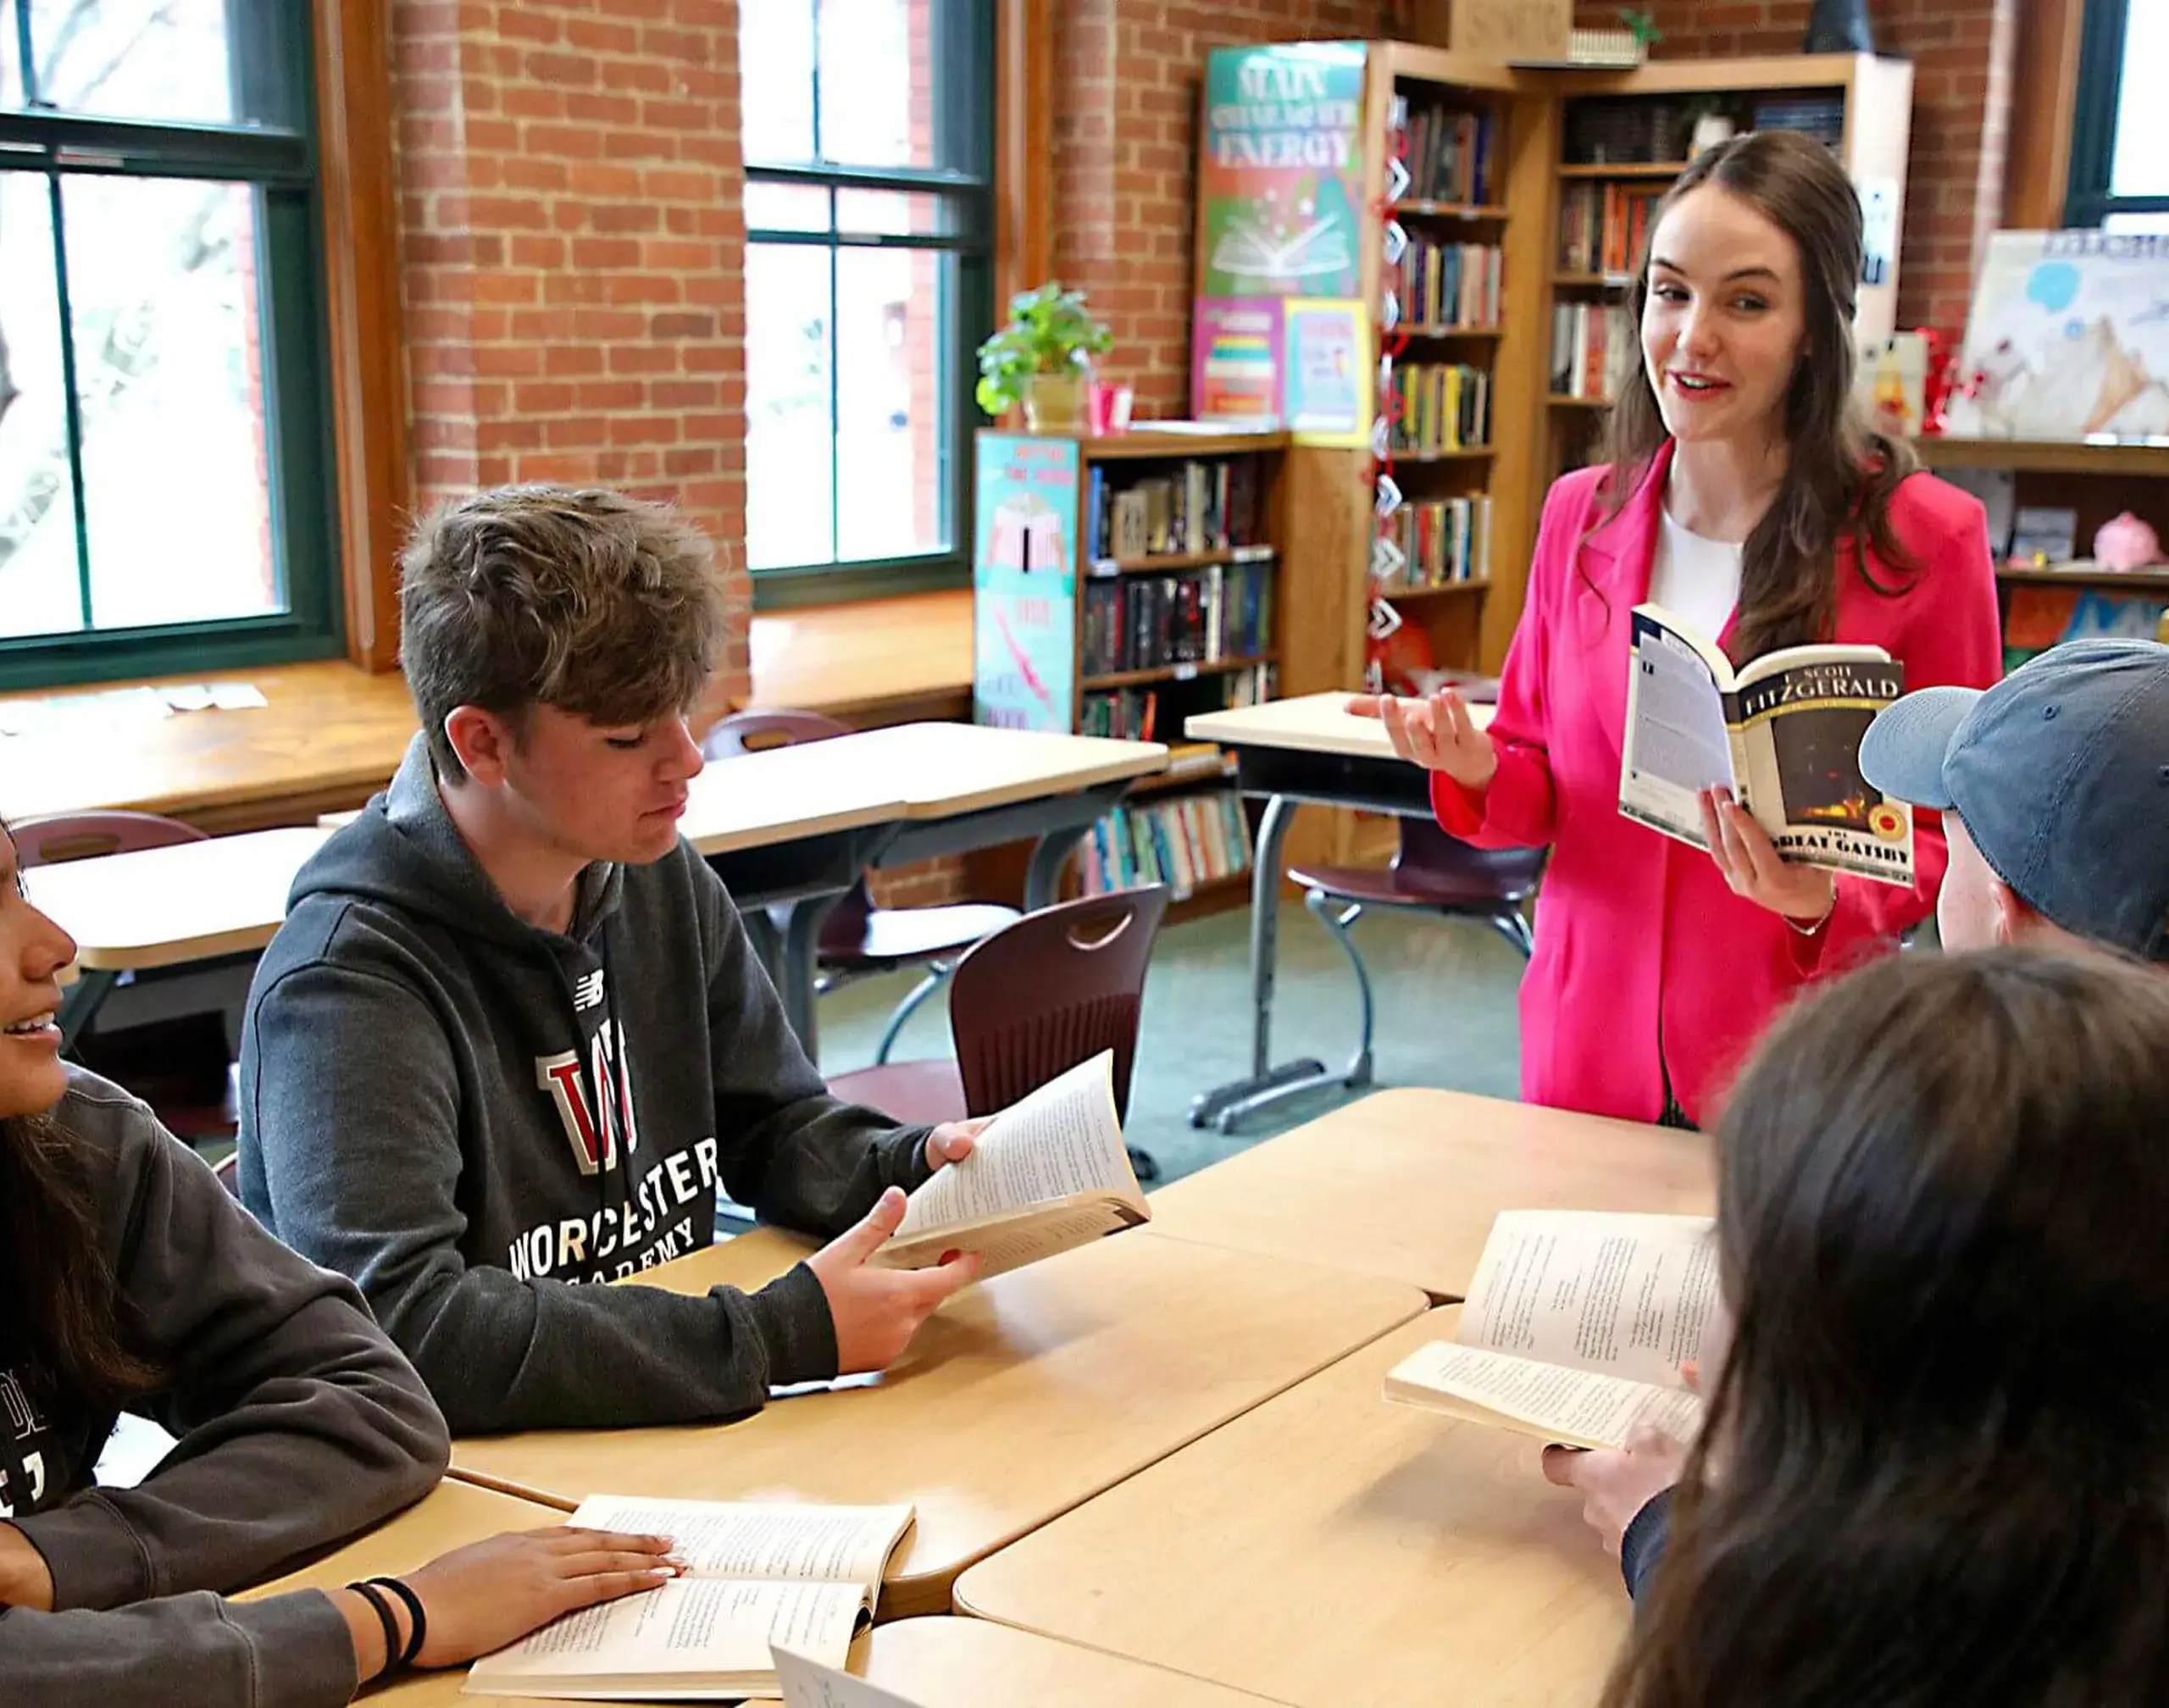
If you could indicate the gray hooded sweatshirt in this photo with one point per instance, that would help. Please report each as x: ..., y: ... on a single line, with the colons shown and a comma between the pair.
x: 478, y: 1120
x: 299, y: 1425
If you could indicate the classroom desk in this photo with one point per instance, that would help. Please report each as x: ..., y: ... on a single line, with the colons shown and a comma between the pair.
x: 1329, y: 1548
x: 1021, y: 1398
x: 1405, y: 1183
x: 1308, y: 749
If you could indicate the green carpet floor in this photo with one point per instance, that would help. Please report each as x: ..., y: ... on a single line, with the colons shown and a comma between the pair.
x: 1445, y: 1000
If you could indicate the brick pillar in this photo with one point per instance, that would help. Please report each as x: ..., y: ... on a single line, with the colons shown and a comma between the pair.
x: 573, y: 254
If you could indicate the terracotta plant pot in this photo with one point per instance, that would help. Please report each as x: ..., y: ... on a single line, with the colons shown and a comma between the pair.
x: 1055, y: 402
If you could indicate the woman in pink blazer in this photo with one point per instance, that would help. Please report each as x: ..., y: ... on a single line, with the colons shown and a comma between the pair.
x: 1743, y: 492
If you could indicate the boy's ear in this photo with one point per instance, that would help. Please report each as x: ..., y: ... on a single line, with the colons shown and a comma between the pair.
x: 482, y: 739
x: 2015, y: 917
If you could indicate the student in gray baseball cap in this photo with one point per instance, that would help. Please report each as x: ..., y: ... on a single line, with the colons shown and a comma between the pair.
x: 2054, y: 785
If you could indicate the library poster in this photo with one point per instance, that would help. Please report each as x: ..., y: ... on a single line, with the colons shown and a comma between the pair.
x: 1024, y: 582
x: 1234, y: 358
x: 1328, y: 400
x: 1280, y: 178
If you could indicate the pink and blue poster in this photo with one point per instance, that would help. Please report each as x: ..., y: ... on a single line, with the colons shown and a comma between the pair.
x: 1024, y: 582
x: 1235, y: 358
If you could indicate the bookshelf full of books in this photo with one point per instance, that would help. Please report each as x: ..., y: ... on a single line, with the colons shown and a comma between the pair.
x: 1193, y: 842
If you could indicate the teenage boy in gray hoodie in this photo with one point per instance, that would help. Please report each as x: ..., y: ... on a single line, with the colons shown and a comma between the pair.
x: 512, y: 1036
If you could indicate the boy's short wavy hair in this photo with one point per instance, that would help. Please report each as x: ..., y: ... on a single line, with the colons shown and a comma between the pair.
x: 600, y: 605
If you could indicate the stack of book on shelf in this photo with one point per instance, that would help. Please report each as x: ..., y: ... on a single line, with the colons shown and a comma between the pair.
x: 1820, y: 113
x: 1592, y: 350
x: 1440, y: 405
x: 1602, y: 226
x: 1155, y: 622
x: 1183, y: 842
x: 1134, y: 715
x: 1450, y: 285
x: 1634, y: 131
x: 1198, y: 507
x: 1443, y: 540
x: 1449, y: 152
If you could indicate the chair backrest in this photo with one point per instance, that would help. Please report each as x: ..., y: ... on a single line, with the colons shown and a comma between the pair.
x: 57, y: 837
x: 1053, y: 989
x: 1510, y: 872
x: 756, y: 732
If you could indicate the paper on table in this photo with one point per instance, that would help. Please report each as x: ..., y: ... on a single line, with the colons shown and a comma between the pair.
x: 846, y: 1544
x: 707, y: 1625
x: 1577, y: 1407
x: 1625, y: 1295
x: 1062, y: 1139
x: 807, y: 1683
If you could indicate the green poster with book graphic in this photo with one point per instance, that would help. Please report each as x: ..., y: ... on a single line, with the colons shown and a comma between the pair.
x: 1280, y: 179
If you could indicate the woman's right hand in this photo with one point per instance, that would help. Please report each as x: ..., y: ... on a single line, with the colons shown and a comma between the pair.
x: 481, y: 1597
x: 1438, y: 734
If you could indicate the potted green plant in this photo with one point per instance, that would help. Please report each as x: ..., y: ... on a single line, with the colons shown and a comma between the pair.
x: 1041, y: 357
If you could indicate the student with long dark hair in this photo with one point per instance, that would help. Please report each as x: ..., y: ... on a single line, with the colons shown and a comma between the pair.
x: 1935, y: 1470
x: 1742, y: 490
x: 130, y: 1280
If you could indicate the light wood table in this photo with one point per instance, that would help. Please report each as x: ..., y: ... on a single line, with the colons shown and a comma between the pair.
x: 870, y: 662
x: 1022, y: 1397
x: 971, y: 1663
x: 450, y: 1516
x: 1405, y: 1183
x: 1329, y: 1548
x: 1309, y: 750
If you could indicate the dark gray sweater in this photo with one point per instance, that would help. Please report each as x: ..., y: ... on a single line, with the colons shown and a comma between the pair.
x: 477, y: 1119
x: 298, y: 1424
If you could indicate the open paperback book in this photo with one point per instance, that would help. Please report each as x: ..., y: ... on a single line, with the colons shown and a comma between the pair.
x: 803, y: 1577
x: 806, y: 1684
x: 1575, y: 1327
x: 1783, y: 735
x: 1049, y: 1173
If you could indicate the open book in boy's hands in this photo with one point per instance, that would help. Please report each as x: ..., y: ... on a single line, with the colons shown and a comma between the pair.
x: 803, y: 1577
x: 1049, y: 1173
x: 1782, y: 734
x: 1575, y: 1327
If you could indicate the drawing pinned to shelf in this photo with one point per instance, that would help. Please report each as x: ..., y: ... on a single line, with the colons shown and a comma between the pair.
x: 1281, y: 172
x: 1328, y: 363
x: 1237, y: 354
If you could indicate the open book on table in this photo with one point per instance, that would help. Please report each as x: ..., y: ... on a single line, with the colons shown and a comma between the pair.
x: 1049, y: 1173
x: 804, y: 1577
x: 806, y: 1684
x: 1783, y: 734
x: 1575, y: 1327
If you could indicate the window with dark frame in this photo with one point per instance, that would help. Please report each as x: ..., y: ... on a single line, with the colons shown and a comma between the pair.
x: 869, y: 141
x: 2119, y: 175
x: 165, y: 489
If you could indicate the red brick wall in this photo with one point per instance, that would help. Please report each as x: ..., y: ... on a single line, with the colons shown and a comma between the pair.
x: 1962, y: 53
x: 1125, y: 146
x: 573, y: 253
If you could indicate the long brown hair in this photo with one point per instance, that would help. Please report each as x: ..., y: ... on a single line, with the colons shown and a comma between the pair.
x: 1840, y: 472
x: 1942, y: 1430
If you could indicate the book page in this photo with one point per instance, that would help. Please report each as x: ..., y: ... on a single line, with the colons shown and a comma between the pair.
x: 806, y: 1684
x: 1011, y: 1242
x: 1061, y: 1141
x: 690, y: 1626
x: 1677, y: 741
x: 779, y: 1539
x: 1577, y: 1407
x: 1625, y: 1295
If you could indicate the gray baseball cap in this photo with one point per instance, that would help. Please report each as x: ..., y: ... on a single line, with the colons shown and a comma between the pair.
x: 2060, y: 773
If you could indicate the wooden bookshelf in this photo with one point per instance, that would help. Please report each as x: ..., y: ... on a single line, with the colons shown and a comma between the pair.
x: 1592, y: 281
x: 2047, y: 456
x: 1423, y: 209
x: 1174, y: 563
x: 1626, y: 168
x: 1475, y: 583
x: 1186, y: 672
x: 1418, y: 329
x: 1560, y: 400
x: 2096, y: 578
x: 1460, y: 453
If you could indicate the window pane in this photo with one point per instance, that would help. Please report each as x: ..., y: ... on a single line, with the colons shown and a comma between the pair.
x: 11, y: 56
x: 2141, y: 161
x: 39, y: 590
x: 2136, y: 225
x: 877, y: 82
x: 789, y: 432
x: 891, y: 409
x: 775, y: 75
x: 896, y: 213
x: 163, y: 278
x: 161, y: 59
x: 786, y: 208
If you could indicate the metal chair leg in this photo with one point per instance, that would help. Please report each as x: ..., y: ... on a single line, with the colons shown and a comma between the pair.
x: 1514, y: 927
x: 937, y: 975
x: 1323, y: 906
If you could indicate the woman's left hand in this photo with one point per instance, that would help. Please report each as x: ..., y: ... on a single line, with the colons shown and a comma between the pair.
x: 1749, y: 863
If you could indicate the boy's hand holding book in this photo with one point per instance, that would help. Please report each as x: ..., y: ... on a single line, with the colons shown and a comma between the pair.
x: 876, y: 1309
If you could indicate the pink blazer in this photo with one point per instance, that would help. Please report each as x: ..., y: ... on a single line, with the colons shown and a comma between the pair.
x: 1647, y: 966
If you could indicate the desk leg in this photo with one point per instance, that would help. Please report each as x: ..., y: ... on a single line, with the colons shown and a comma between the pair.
x: 802, y: 942
x: 1043, y: 877
x: 81, y: 1000
x: 1223, y: 1108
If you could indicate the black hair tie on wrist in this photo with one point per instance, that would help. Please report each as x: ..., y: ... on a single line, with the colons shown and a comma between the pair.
x: 382, y: 1606
x: 414, y: 1610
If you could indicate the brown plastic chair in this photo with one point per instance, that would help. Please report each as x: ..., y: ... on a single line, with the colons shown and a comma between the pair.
x: 1434, y: 874
x: 179, y: 1066
x: 1029, y: 1003
x: 858, y: 939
